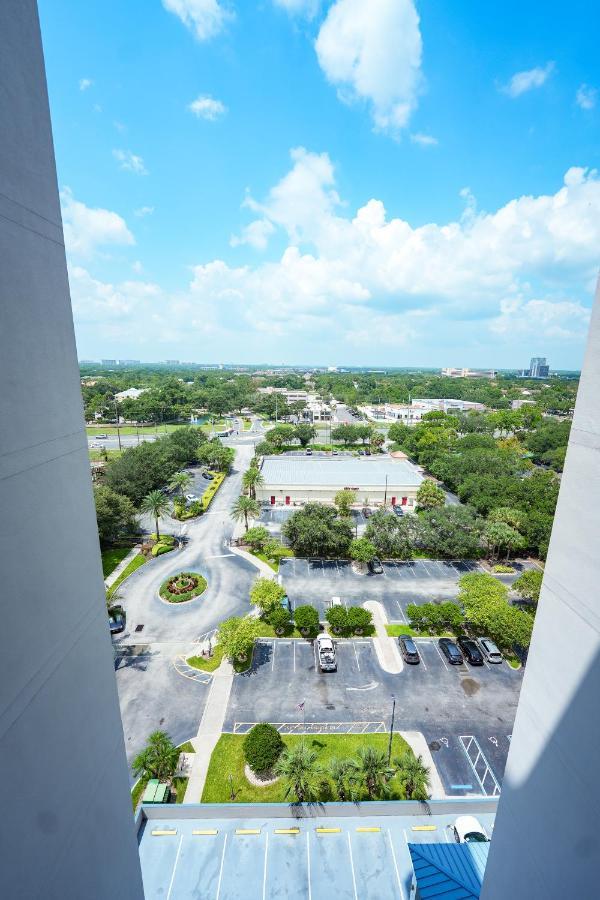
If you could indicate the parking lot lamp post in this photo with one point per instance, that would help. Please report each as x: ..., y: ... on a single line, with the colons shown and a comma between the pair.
x: 391, y: 728
x: 385, y: 492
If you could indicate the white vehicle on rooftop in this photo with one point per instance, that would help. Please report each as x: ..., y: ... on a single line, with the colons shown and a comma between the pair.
x: 469, y: 830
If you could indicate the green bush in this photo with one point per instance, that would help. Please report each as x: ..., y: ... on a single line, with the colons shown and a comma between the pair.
x: 501, y: 569
x: 306, y: 618
x: 164, y: 538
x: 433, y: 618
x: 359, y: 620
x: 177, y: 582
x: 337, y: 616
x: 161, y: 548
x: 280, y: 620
x: 262, y: 747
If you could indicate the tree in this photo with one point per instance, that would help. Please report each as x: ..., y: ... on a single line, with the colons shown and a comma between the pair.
x: 266, y: 448
x: 243, y: 508
x: 364, y: 433
x: 359, y: 620
x: 158, y: 759
x: 315, y: 530
x: 434, y: 618
x: 257, y: 537
x: 373, y: 771
x: 392, y: 537
x: 529, y: 585
x: 500, y: 536
x: 414, y: 775
x: 485, y: 603
x: 216, y: 456
x: 398, y: 432
x: 236, y: 636
x: 430, y: 495
x: 279, y: 619
x: 362, y: 550
x: 347, y: 433
x: 262, y: 747
x: 301, y: 776
x: 344, y: 500
x: 157, y: 505
x: 251, y: 479
x: 452, y: 532
x: 115, y: 514
x: 337, y: 616
x: 343, y: 774
x: 306, y: 619
x: 180, y: 482
x: 274, y: 549
x: 280, y: 435
x: 304, y: 433
x: 516, y: 518
x: 267, y: 594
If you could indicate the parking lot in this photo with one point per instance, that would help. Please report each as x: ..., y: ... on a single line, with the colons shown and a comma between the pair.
x: 466, y: 714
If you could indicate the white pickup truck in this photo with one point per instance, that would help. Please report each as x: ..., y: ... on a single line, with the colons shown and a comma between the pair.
x: 326, y: 653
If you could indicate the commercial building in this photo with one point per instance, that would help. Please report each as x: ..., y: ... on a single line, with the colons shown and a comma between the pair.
x: 130, y: 394
x: 412, y: 413
x: 300, y: 479
x: 538, y: 368
x: 469, y: 373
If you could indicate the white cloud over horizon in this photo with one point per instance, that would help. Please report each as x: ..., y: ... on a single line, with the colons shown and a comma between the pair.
x: 87, y: 230
x: 204, y: 18
x: 207, y: 107
x: 528, y: 80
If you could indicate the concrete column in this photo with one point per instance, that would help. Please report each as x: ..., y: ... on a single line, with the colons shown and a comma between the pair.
x: 67, y: 825
x: 546, y: 843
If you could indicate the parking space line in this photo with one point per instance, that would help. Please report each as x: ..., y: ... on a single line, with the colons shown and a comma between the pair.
x: 480, y: 756
x: 404, y: 619
x: 422, y: 658
x: 294, y: 646
x: 273, y: 655
x: 441, y: 657
x: 308, y: 864
x: 400, y: 888
x: 265, y: 867
x: 356, y: 656
x: 221, y: 868
x: 351, y: 867
x: 174, y: 868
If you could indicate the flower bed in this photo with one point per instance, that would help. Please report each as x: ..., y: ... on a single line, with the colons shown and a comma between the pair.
x: 182, y: 587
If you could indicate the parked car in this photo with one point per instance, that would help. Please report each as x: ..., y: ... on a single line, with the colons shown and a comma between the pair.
x: 398, y: 509
x: 469, y: 830
x: 471, y: 651
x: 207, y: 475
x: 367, y: 452
x: 190, y: 498
x: 375, y: 567
x: 334, y: 452
x: 326, y: 653
x: 308, y: 451
x: 286, y: 604
x: 367, y: 513
x: 409, y: 651
x: 489, y: 650
x: 116, y: 619
x: 362, y: 453
x: 450, y: 651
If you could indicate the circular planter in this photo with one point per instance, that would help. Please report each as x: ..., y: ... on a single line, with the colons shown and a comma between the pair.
x: 182, y: 587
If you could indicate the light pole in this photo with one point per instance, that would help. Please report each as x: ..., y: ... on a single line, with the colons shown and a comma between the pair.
x: 385, y: 493
x: 391, y: 728
x: 118, y: 429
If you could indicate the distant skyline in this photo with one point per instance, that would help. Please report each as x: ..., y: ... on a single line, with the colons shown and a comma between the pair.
x: 328, y: 180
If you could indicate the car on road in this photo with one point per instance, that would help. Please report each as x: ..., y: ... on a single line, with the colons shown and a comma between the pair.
x: 469, y: 830
x: 334, y: 452
x: 362, y: 453
x: 450, y: 651
x: 398, y: 510
x: 409, y: 651
x: 375, y: 567
x: 190, y: 498
x: 326, y: 653
x: 489, y: 650
x: 116, y: 619
x: 101, y: 437
x: 471, y: 651
x: 309, y: 451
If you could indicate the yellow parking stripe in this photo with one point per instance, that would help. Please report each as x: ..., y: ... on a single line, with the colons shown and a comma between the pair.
x: 160, y: 831
x: 247, y: 830
x: 287, y: 831
x: 368, y: 829
x: 328, y: 830
x: 205, y: 831
x: 424, y: 827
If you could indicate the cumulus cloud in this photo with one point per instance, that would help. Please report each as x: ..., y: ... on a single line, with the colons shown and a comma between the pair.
x: 586, y: 96
x: 85, y: 83
x: 521, y: 82
x: 308, y: 8
x: 372, y: 53
x: 206, y: 107
x: 559, y: 320
x: 143, y: 211
x: 204, y: 18
x: 129, y: 162
x: 87, y: 230
x: 425, y: 140
x: 98, y: 301
x: 256, y: 234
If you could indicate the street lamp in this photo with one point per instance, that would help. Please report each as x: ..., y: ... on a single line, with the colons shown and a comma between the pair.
x: 391, y: 728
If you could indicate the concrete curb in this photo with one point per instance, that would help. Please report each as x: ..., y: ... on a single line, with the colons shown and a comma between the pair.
x: 264, y: 569
x: 385, y: 646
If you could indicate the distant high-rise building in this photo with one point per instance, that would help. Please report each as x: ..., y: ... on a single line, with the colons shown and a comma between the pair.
x: 129, y: 362
x: 108, y: 362
x: 538, y: 368
x: 172, y: 362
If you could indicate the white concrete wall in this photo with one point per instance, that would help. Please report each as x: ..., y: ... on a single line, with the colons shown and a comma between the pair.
x: 546, y: 841
x: 326, y: 495
x: 67, y: 824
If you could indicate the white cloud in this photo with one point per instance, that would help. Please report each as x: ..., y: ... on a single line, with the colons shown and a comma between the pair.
x: 425, y: 140
x: 521, y: 82
x: 98, y: 301
x: 206, y: 107
x: 308, y: 8
x: 137, y: 266
x: 372, y: 52
x: 586, y: 96
x: 205, y: 18
x: 143, y: 211
x: 256, y: 234
x: 86, y: 229
x: 129, y: 162
x: 558, y: 320
x: 85, y: 83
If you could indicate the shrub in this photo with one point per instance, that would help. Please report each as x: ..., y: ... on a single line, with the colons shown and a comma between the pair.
x: 182, y: 587
x: 267, y: 595
x: 280, y: 620
x: 359, y: 620
x: 337, y: 616
x: 161, y: 548
x: 164, y: 539
x: 257, y: 537
x: 433, y: 618
x: 306, y: 618
x: 262, y: 747
x: 501, y: 569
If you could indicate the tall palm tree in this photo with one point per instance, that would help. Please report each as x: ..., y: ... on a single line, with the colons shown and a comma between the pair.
x: 251, y: 479
x: 343, y: 775
x: 300, y: 773
x: 180, y: 482
x: 414, y: 774
x: 244, y: 507
x: 373, y: 771
x: 158, y: 759
x: 157, y: 504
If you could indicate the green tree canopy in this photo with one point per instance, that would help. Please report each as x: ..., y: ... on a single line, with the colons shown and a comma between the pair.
x: 362, y: 550
x: 158, y: 759
x: 392, y: 537
x: 236, y: 636
x: 430, y: 495
x: 529, y: 584
x: 267, y: 594
x: 115, y: 514
x: 304, y: 432
x: 316, y: 530
x: 452, y: 532
x: 344, y: 500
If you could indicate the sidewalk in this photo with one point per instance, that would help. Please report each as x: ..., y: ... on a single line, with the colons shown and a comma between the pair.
x: 418, y: 745
x: 386, y: 647
x: 209, y: 732
x: 122, y: 565
x: 265, y: 570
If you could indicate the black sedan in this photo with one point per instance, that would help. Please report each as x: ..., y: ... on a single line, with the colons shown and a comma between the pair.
x: 398, y: 510
x: 409, y: 651
x: 450, y: 651
x: 471, y: 651
x: 375, y: 567
x: 116, y: 619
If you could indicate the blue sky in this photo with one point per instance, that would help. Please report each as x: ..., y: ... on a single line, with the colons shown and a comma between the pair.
x: 342, y: 182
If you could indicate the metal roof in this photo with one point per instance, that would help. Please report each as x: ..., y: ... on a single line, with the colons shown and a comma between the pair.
x: 451, y: 871
x: 341, y: 472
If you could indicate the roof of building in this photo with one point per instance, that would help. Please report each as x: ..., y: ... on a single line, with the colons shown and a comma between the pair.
x: 342, y: 472
x: 451, y: 871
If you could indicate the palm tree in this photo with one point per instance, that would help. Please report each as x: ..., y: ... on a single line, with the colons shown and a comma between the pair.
x: 158, y: 759
x: 157, y: 504
x: 343, y: 775
x: 180, y: 481
x: 251, y: 479
x: 244, y: 507
x: 414, y: 775
x: 373, y: 771
x: 300, y: 773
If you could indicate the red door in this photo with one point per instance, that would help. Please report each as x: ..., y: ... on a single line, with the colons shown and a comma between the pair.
x: 287, y: 501
x: 393, y: 501
x: 404, y: 501
x: 272, y: 500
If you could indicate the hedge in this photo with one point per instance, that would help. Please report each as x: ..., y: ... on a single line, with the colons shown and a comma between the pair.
x: 262, y: 747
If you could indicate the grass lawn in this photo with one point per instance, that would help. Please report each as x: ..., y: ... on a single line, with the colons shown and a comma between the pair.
x: 112, y: 558
x: 273, y: 563
x: 228, y: 759
x: 93, y: 431
x: 98, y: 455
x: 135, y: 563
x: 207, y: 664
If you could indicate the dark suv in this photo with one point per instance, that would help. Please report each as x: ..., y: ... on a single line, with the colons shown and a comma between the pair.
x: 375, y: 567
x: 471, y: 651
x: 409, y: 651
x: 450, y: 651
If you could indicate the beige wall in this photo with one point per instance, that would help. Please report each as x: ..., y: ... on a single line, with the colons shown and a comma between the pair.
x: 322, y: 494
